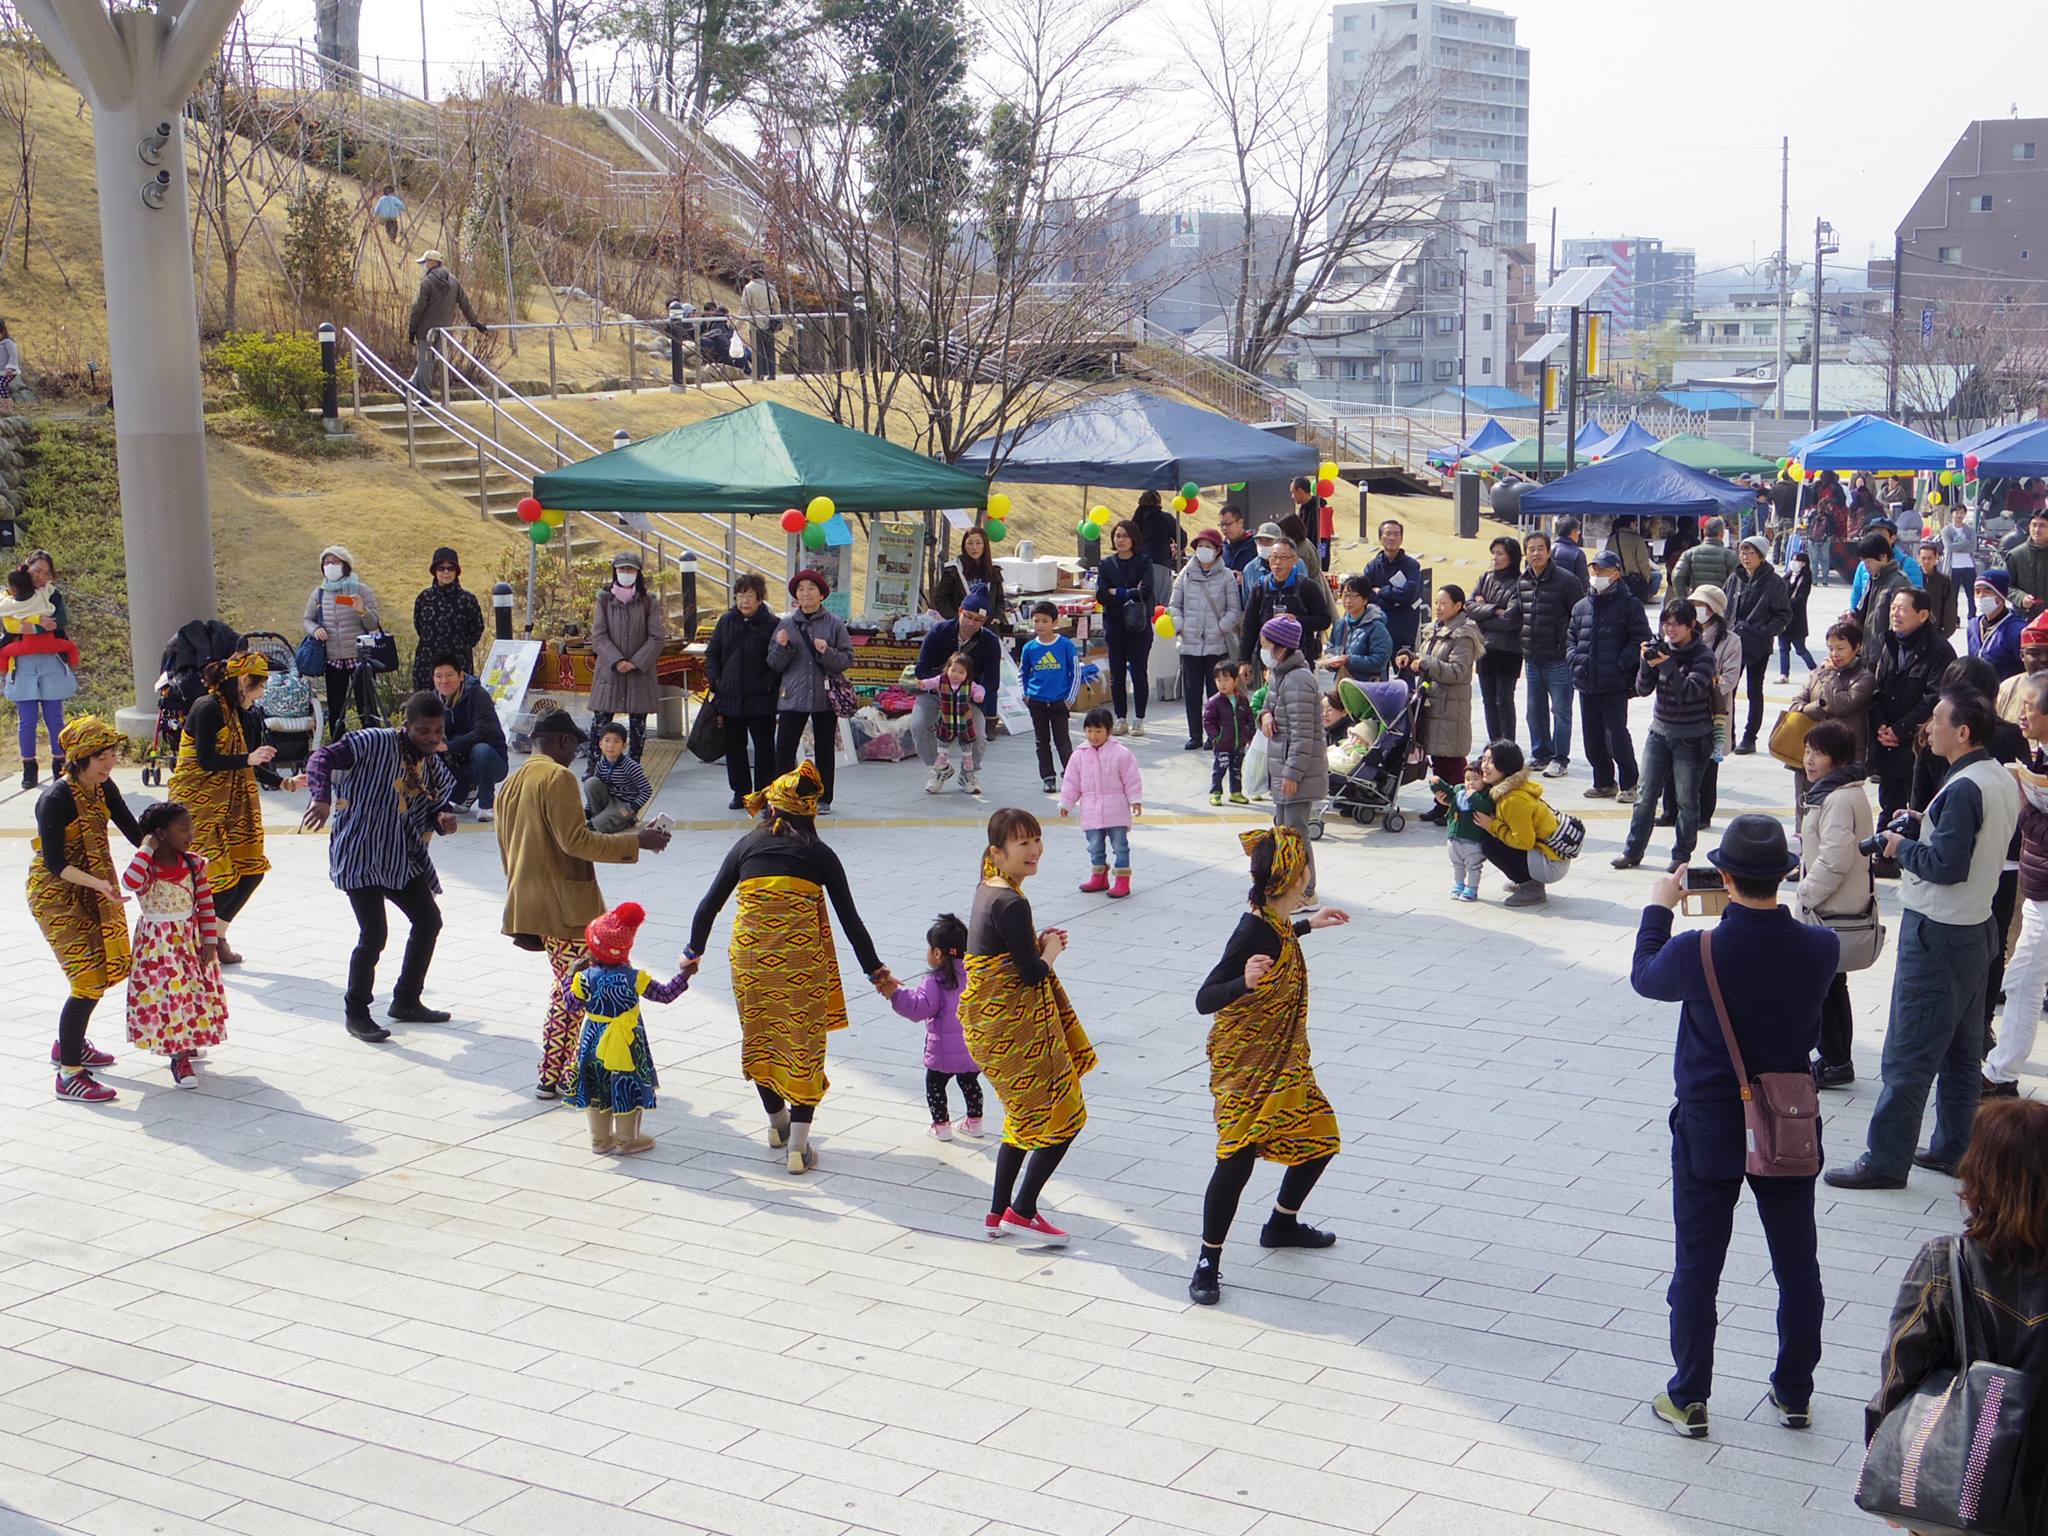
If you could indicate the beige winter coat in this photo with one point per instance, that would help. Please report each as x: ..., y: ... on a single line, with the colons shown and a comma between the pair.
x: 1445, y: 654
x: 1833, y: 876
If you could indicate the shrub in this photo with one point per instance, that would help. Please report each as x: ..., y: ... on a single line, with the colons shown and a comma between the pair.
x: 277, y: 372
x: 319, y: 246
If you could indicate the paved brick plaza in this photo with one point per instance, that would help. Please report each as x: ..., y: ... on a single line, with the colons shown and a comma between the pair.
x: 382, y: 1289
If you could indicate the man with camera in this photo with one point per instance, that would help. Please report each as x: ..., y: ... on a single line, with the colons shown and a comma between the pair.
x: 1951, y: 856
x: 1679, y: 669
x: 1910, y: 661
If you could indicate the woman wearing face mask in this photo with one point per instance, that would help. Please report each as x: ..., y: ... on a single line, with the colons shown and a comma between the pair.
x: 1206, y: 608
x: 341, y: 611
x: 811, y: 648
x: 628, y: 632
x: 447, y: 618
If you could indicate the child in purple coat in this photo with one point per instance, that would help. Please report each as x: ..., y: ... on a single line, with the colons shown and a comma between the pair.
x: 936, y: 1002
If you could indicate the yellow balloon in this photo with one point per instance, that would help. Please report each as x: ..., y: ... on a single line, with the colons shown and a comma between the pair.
x: 1796, y: 471
x: 820, y: 509
x: 1163, y: 626
x: 999, y: 505
x: 1101, y: 517
x: 1934, y: 499
x: 554, y: 517
x: 1327, y: 470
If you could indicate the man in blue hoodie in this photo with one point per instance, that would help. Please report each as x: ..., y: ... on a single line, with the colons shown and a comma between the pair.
x: 1393, y: 580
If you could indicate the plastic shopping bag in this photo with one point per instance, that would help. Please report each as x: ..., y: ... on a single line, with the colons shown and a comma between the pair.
x: 1255, y: 764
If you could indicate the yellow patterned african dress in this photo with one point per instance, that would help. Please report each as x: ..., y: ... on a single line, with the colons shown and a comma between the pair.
x: 785, y: 980
x: 227, y: 812
x: 88, y: 931
x: 1030, y: 1044
x: 1259, y: 1069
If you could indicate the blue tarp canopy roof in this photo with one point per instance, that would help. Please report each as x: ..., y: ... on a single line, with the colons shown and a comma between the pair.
x: 1491, y: 434
x: 1136, y: 440
x: 1707, y: 400
x: 2022, y: 451
x: 1592, y: 432
x: 1632, y: 438
x: 1873, y: 443
x: 1639, y: 483
x: 1493, y: 397
x: 1983, y: 442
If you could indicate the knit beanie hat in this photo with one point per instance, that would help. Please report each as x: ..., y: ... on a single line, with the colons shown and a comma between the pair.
x: 976, y: 600
x: 610, y: 937
x: 1999, y: 581
x: 1711, y: 598
x: 1761, y: 545
x: 1284, y: 630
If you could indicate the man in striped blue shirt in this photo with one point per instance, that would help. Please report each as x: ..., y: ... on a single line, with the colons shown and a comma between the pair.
x: 396, y: 795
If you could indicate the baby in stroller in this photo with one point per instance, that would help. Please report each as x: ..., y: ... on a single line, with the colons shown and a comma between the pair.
x: 1372, y: 761
x: 291, y: 712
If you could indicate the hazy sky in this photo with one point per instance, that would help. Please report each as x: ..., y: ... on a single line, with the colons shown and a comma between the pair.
x: 1648, y: 117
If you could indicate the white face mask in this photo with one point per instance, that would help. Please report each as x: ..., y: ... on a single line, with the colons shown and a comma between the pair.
x: 1602, y: 583
x: 1269, y: 656
x: 332, y: 570
x: 626, y: 578
x: 1987, y: 605
x: 1205, y: 554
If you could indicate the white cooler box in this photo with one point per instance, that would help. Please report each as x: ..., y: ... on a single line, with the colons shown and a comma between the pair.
x: 1028, y: 578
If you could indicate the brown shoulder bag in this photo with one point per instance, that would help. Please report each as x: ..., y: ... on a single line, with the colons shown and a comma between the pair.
x: 1780, y: 1110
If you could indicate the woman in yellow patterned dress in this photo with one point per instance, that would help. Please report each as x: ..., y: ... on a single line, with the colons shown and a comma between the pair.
x: 1267, y: 1102
x: 217, y: 777
x: 73, y: 896
x: 1021, y: 1028
x: 785, y: 970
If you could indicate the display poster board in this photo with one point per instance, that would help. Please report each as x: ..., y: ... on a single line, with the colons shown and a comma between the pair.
x: 508, y: 671
x: 895, y: 563
x: 1010, y: 706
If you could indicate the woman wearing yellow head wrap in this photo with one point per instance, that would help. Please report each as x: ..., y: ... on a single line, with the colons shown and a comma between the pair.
x: 1267, y: 1102
x: 73, y: 896
x: 785, y: 969
x: 1021, y: 1028
x: 222, y: 758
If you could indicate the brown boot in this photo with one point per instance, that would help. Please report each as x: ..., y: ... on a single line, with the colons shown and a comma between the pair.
x: 627, y: 1137
x: 601, y: 1139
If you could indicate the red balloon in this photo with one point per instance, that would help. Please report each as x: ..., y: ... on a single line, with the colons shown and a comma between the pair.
x: 1194, y: 506
x: 1970, y: 464
x: 529, y: 509
x: 793, y: 521
x: 1326, y: 487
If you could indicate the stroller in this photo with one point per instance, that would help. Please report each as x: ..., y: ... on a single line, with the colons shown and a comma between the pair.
x: 178, y: 687
x: 290, y: 708
x: 1378, y: 755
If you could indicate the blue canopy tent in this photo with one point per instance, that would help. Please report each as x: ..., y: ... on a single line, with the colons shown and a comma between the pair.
x: 2022, y: 451
x: 1592, y: 432
x: 1136, y: 440
x: 1872, y: 443
x: 1491, y: 434
x: 1632, y: 438
x: 1707, y: 401
x: 1639, y: 483
x: 1981, y: 443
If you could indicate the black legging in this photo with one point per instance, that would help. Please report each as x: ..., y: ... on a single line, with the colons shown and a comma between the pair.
x: 739, y: 731
x: 1226, y: 1188
x: 1197, y: 682
x: 228, y: 904
x: 1837, y: 1023
x: 775, y: 1104
x: 1753, y: 670
x: 2003, y: 900
x: 72, y: 1019
x: 1497, y: 678
x: 789, y: 730
x: 1512, y: 862
x: 1130, y: 652
x: 1009, y: 1163
x: 935, y: 1093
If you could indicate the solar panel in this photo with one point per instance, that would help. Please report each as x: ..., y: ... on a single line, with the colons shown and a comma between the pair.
x: 1573, y: 287
x: 1545, y: 345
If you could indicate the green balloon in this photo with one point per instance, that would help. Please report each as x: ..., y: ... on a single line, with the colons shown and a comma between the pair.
x: 1090, y: 531
x: 1191, y: 489
x: 1237, y: 485
x: 540, y: 533
x: 995, y: 530
x: 814, y: 536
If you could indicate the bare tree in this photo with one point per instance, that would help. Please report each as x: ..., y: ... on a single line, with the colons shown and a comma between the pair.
x: 17, y: 102
x: 543, y: 36
x: 1319, y: 177
x: 1983, y: 359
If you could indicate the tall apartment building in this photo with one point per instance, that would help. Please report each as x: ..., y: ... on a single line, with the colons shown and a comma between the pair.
x: 1650, y: 284
x: 1978, y: 232
x: 1468, y: 53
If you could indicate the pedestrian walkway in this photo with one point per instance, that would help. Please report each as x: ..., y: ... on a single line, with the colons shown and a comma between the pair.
x: 381, y: 1289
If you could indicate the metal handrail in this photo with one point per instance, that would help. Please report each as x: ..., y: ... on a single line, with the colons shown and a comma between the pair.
x: 496, y: 401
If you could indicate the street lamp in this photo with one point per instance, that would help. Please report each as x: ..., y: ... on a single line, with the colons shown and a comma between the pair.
x: 1824, y: 245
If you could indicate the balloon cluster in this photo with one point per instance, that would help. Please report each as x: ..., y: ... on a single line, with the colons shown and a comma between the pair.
x: 1098, y: 518
x: 1162, y: 623
x: 1949, y: 477
x: 1326, y: 478
x: 1189, y: 499
x: 541, y: 522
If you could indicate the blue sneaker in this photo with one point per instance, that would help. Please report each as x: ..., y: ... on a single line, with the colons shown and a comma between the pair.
x: 1470, y: 893
x: 1457, y: 893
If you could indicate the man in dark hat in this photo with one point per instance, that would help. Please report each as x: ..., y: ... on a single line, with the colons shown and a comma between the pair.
x: 551, y: 892
x: 1773, y: 972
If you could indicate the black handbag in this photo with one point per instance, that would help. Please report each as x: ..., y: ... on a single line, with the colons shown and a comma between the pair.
x: 1955, y: 1456
x: 707, y: 737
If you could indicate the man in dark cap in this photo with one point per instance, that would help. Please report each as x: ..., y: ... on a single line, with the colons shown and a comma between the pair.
x: 1771, y: 972
x: 551, y: 892
x: 969, y: 632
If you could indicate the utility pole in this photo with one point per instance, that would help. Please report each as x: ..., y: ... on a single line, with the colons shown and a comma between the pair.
x: 1464, y: 346
x: 1784, y: 264
x: 1824, y: 245
x: 425, y: 95
x: 1571, y: 401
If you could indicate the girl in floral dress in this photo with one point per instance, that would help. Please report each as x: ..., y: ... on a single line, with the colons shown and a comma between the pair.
x: 176, y: 1005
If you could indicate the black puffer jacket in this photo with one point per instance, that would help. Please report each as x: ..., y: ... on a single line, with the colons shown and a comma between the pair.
x: 1496, y: 607
x: 1909, y: 669
x: 1684, y: 687
x: 1547, y: 604
x: 1606, y: 641
x: 736, y: 662
x: 1759, y: 608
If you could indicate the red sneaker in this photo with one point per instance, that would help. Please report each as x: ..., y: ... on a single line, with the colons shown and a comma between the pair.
x: 93, y: 1057
x: 992, y: 1226
x: 1038, y: 1226
x: 81, y: 1085
x: 1099, y: 881
x: 183, y: 1074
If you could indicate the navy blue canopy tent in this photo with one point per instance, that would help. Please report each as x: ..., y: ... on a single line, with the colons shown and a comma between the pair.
x: 1592, y: 432
x: 1632, y: 437
x: 1490, y: 435
x: 2020, y: 452
x: 1137, y: 440
x: 1637, y: 483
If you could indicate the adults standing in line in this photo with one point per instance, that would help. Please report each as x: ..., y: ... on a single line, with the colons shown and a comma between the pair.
x: 1605, y: 646
x: 1958, y: 544
x: 1496, y: 607
x: 1286, y: 587
x: 627, y: 632
x: 1206, y: 609
x: 551, y: 892
x: 1679, y: 668
x: 1161, y: 540
x: 975, y: 566
x: 1361, y: 648
x: 398, y: 797
x: 440, y: 295
x: 1393, y: 580
x: 1442, y: 662
x: 1709, y: 563
x: 1123, y: 588
x: 2028, y: 566
x: 1240, y: 549
x: 1759, y: 608
x: 1548, y: 595
x: 743, y: 687
x: 1261, y: 1077
x: 1769, y: 972
x: 475, y: 750
x: 1947, y: 940
x: 1994, y: 629
x: 1298, y: 761
x: 75, y: 898
x: 758, y: 303
x: 785, y: 968
x: 1834, y: 874
x: 340, y: 611
x: 2027, y: 973
x: 1841, y: 690
x: 1909, y: 668
x: 1940, y: 589
x: 222, y: 759
x: 1792, y: 640
x: 811, y: 647
x: 1874, y: 608
x: 447, y: 619
x: 1569, y: 552
x: 969, y: 632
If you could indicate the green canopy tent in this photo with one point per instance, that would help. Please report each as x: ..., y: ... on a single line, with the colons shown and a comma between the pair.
x: 761, y: 458
x: 1715, y: 458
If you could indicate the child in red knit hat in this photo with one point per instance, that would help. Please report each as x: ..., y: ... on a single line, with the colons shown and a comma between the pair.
x: 612, y: 1077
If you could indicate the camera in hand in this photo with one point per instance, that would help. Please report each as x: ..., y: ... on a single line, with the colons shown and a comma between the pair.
x: 1656, y: 650
x: 1905, y: 823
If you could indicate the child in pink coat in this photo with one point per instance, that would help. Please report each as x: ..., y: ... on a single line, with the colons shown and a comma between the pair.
x: 1103, y: 779
x: 935, y: 1002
